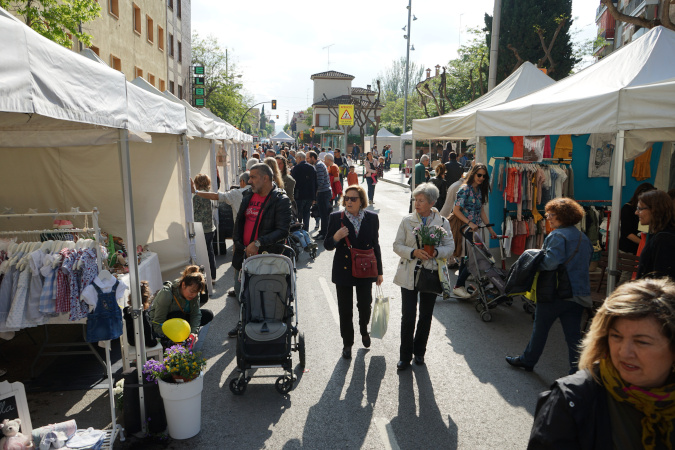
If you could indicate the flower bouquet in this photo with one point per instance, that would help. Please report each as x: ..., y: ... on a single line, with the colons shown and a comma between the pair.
x: 430, y: 235
x: 180, y: 365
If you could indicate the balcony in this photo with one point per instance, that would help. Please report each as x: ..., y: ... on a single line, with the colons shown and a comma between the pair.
x: 601, y: 9
x: 636, y: 7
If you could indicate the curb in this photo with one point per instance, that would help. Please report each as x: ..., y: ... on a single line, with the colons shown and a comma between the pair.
x: 405, y: 185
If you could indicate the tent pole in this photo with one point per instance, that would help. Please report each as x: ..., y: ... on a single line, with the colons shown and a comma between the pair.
x: 616, y: 207
x: 189, y: 212
x: 134, y: 282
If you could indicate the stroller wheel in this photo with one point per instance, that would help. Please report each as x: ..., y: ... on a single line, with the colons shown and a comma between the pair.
x: 485, y: 316
x: 238, y: 387
x: 480, y: 307
x: 301, y: 349
x: 283, y: 384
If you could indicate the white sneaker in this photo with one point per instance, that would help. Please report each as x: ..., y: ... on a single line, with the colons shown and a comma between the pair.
x: 461, y: 292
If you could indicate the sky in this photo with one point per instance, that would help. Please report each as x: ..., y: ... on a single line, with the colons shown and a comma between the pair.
x: 277, y: 46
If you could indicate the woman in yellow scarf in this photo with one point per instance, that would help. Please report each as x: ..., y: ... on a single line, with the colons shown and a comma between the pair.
x: 623, y: 396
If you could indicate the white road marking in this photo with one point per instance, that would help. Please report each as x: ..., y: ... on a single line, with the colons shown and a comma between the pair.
x: 332, y: 303
x: 386, y: 433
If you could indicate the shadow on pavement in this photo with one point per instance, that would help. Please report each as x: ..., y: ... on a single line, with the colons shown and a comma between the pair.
x: 408, y: 423
x: 345, y: 421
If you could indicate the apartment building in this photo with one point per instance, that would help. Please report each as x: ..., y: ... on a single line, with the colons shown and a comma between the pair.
x: 179, y: 43
x: 617, y: 34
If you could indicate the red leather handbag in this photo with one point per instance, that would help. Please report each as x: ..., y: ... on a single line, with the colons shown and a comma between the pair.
x: 364, y: 263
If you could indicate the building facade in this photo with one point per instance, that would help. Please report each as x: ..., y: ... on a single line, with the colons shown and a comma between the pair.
x: 131, y: 37
x: 334, y: 88
x: 179, y: 43
x: 616, y: 34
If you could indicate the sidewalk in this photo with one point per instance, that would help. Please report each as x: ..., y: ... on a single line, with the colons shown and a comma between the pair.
x: 392, y: 176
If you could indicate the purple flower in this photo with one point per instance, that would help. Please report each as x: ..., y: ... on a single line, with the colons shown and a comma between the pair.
x: 432, y: 235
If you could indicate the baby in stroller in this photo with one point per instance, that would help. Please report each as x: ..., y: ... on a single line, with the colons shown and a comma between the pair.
x: 300, y: 240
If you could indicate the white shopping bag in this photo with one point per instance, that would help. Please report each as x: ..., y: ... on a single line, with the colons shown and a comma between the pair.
x: 380, y: 316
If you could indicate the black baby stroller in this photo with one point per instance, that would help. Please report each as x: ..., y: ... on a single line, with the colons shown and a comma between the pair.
x: 489, y: 281
x: 267, y: 334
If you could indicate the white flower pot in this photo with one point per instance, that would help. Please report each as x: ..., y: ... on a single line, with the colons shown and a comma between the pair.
x: 183, y: 406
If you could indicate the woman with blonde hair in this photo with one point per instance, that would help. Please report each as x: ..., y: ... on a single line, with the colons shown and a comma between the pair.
x: 275, y: 169
x: 180, y: 299
x: 624, y: 394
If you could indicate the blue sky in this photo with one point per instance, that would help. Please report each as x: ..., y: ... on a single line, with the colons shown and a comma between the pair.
x: 277, y: 46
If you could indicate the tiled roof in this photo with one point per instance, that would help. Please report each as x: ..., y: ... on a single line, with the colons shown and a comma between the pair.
x: 332, y: 74
x: 362, y: 91
x: 344, y: 100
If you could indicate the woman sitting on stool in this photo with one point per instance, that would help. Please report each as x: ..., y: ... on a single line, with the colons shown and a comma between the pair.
x: 180, y: 299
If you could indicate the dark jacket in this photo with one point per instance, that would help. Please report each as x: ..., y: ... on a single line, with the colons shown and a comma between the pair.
x: 453, y: 172
x: 368, y: 238
x: 305, y: 181
x: 521, y: 274
x: 656, y: 259
x: 272, y: 230
x: 442, y: 191
x: 574, y: 414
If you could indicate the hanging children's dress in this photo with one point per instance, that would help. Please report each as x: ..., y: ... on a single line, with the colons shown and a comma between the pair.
x: 105, y: 322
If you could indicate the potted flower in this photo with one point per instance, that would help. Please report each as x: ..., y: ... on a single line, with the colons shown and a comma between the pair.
x: 430, y: 235
x: 181, y: 380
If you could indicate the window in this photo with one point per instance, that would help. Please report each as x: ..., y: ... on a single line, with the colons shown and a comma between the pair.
x: 115, y: 62
x: 162, y: 85
x: 324, y: 120
x: 150, y: 28
x: 138, y: 72
x: 179, y: 8
x: 180, y: 52
x: 160, y: 38
x: 114, y: 8
x: 151, y: 79
x: 171, y: 4
x: 95, y: 50
x: 171, y: 87
x: 170, y: 45
x: 137, y: 18
x: 180, y: 91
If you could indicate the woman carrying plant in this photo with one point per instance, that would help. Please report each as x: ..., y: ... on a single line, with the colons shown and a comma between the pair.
x: 354, y: 227
x: 469, y: 210
x: 422, y: 237
x: 180, y: 299
x: 567, y: 246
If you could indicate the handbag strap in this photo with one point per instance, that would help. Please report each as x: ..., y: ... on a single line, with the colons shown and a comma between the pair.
x: 575, y: 250
x: 349, y: 244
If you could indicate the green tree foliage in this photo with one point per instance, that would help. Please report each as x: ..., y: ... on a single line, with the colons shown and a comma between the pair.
x: 309, y: 114
x: 224, y: 94
x: 54, y: 19
x: 528, y: 28
x: 392, y: 113
x: 392, y: 79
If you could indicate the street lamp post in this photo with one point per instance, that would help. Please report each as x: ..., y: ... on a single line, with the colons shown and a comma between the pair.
x: 405, y: 98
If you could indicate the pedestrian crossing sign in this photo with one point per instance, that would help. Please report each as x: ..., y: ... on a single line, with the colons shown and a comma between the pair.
x: 346, y: 116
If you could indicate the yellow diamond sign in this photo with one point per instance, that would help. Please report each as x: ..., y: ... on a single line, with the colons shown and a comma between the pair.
x: 346, y: 115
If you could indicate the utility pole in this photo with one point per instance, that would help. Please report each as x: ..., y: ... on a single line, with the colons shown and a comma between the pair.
x: 407, y: 74
x: 494, y: 45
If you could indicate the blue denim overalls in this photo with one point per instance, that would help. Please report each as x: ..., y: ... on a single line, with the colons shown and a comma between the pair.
x: 105, y: 322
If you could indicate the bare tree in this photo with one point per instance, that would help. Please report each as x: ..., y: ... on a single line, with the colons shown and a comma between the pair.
x: 547, y: 49
x: 437, y: 92
x: 663, y: 19
x: 364, y: 109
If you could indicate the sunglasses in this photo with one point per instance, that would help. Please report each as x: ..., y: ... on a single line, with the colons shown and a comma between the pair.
x: 351, y: 199
x: 481, y: 175
x: 638, y: 209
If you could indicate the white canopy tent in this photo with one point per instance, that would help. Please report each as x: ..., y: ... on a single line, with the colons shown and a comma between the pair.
x: 629, y: 93
x: 282, y: 136
x: 461, y: 123
x: 384, y: 137
x: 65, y: 125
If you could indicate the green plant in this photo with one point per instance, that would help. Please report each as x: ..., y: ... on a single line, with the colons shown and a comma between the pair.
x: 179, y: 363
x: 430, y: 234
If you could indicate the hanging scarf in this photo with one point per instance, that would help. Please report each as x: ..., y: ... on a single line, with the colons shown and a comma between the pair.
x: 356, y: 220
x: 657, y: 404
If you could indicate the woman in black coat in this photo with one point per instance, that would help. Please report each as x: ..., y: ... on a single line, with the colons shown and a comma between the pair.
x: 361, y: 228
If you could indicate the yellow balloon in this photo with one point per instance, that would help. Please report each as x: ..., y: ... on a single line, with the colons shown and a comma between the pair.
x: 176, y: 329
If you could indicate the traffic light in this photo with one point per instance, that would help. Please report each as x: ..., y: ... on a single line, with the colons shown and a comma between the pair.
x: 277, y: 116
x: 302, y: 135
x: 311, y: 132
x: 274, y: 105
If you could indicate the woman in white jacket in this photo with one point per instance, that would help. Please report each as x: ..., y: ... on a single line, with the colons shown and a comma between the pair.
x: 410, y: 249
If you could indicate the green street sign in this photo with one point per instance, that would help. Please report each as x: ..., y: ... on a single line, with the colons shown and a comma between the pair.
x: 198, y: 81
x: 199, y: 92
x: 199, y: 70
x: 199, y: 102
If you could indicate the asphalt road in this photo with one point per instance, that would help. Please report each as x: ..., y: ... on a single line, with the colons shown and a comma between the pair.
x: 465, y: 397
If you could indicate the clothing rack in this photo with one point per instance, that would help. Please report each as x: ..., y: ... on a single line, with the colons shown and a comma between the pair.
x: 95, y: 231
x: 521, y: 160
